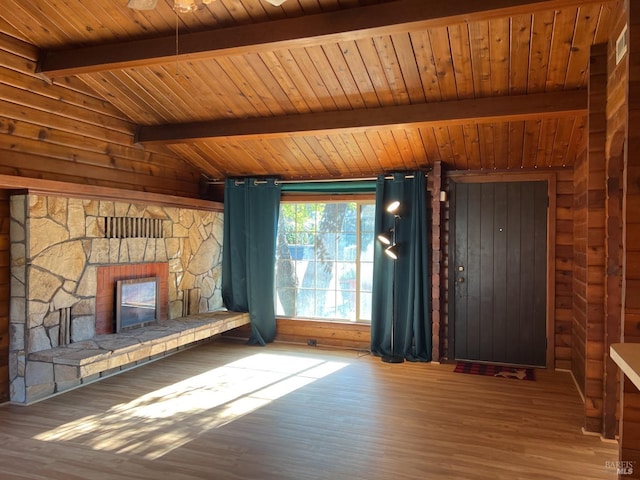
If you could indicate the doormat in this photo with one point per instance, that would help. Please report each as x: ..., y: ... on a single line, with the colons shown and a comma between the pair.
x: 495, y: 370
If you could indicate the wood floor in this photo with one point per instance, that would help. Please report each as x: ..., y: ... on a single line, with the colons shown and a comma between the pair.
x: 228, y: 411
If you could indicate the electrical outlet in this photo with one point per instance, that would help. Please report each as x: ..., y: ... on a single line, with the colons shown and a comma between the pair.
x: 312, y: 342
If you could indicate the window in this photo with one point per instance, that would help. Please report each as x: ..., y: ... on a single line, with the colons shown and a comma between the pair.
x: 324, y: 260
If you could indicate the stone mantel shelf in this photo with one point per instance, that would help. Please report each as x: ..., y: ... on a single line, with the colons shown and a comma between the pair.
x: 627, y: 357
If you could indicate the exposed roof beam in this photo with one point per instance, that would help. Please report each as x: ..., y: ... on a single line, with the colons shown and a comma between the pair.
x: 482, y: 110
x: 361, y: 22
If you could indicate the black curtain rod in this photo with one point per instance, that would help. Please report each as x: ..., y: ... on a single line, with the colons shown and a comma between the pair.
x: 325, y: 180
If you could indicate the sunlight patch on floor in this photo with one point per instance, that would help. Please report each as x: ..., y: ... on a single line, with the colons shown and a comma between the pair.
x: 160, y: 421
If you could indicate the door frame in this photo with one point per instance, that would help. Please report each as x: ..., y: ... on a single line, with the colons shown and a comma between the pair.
x: 550, y: 178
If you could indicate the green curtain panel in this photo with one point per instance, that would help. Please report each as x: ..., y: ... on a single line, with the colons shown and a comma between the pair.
x: 409, y: 299
x: 251, y: 209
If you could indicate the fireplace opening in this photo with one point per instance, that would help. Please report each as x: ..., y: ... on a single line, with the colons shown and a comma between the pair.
x: 136, y: 303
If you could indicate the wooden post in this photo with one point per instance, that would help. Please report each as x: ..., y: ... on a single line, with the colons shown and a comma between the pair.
x: 627, y: 96
x: 594, y: 246
x: 436, y: 259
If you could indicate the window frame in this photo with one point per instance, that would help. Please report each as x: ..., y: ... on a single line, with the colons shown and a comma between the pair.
x: 358, y: 198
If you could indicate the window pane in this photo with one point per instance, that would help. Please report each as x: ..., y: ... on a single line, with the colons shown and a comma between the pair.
x: 366, y: 276
x: 366, y: 247
x: 367, y: 218
x: 350, y: 218
x: 365, y: 306
x: 305, y: 303
x: 347, y: 247
x: 317, y: 270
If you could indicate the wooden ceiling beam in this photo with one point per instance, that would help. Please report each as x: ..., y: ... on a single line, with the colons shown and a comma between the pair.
x: 481, y: 110
x: 352, y: 24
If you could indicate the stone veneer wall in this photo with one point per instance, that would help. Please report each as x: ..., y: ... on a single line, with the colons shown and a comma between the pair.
x: 58, y: 243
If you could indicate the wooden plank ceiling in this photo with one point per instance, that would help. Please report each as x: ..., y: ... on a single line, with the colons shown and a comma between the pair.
x: 333, y: 88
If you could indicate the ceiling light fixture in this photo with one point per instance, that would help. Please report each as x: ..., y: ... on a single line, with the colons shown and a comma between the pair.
x: 142, y: 4
x: 179, y: 6
x: 184, y: 6
x: 276, y: 3
x: 188, y: 6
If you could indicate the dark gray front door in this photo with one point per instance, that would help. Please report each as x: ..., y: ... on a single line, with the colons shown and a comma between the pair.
x: 499, y: 272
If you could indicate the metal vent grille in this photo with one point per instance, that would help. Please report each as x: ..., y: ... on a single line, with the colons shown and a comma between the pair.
x: 132, y: 227
x: 621, y: 45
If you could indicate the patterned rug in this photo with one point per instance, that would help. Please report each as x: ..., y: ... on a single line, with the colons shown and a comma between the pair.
x: 495, y: 370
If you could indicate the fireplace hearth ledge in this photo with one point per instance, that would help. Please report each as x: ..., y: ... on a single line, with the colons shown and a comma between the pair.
x: 84, y: 362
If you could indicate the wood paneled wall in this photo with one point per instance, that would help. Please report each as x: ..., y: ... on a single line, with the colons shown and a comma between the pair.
x: 615, y: 145
x: 579, y: 297
x: 563, y: 269
x: 435, y: 181
x: 326, y: 334
x: 589, y: 245
x: 64, y: 131
x: 632, y: 188
x: 4, y: 295
x: 597, y: 290
x: 352, y: 335
x: 630, y: 396
x: 597, y: 254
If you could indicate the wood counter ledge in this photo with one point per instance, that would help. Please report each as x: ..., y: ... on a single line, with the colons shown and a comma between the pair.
x: 627, y: 357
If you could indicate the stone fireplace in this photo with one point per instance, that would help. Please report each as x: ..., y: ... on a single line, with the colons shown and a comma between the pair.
x: 67, y: 254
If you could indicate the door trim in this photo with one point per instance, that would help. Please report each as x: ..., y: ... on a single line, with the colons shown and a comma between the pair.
x: 550, y: 178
